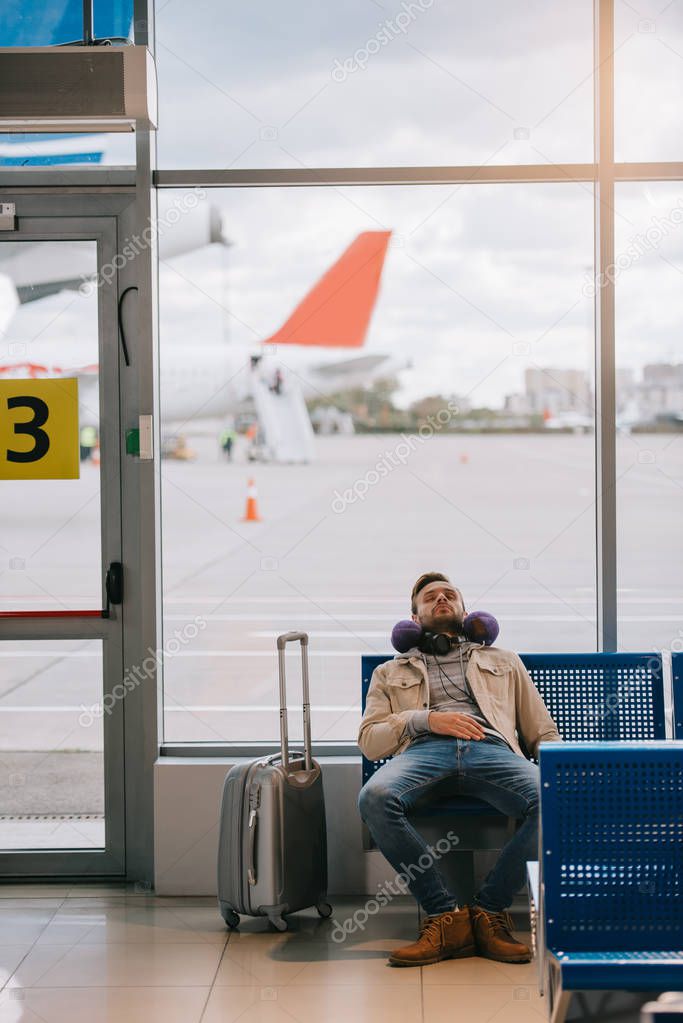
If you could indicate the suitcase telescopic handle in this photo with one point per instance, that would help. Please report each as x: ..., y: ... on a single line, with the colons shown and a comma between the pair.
x: 302, y: 638
x: 267, y: 761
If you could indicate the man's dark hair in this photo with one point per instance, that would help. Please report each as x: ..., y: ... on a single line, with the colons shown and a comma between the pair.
x: 425, y: 579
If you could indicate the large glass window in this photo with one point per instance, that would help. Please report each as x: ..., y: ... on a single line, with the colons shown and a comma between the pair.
x: 648, y: 66
x: 472, y: 401
x: 51, y: 745
x: 649, y: 306
x: 409, y: 83
x: 484, y: 315
x: 52, y: 334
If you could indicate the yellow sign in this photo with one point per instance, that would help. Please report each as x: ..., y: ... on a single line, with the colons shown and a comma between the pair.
x: 39, y: 429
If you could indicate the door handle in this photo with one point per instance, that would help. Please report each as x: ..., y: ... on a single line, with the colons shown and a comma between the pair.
x: 113, y: 586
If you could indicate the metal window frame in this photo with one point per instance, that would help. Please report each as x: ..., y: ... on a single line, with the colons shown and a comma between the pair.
x: 603, y: 174
x: 310, y: 177
x: 238, y: 750
x: 143, y: 507
x: 127, y: 194
x: 85, y: 219
x: 605, y: 341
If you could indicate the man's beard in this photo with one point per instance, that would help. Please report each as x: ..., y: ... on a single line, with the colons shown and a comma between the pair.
x: 446, y: 623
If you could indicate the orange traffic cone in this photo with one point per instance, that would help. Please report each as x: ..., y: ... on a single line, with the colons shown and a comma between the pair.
x: 251, y: 514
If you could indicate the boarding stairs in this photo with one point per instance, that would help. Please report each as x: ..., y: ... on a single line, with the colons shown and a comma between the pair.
x: 284, y: 420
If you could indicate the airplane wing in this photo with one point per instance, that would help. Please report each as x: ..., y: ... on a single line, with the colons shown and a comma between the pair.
x: 32, y: 292
x: 39, y: 270
x: 365, y: 363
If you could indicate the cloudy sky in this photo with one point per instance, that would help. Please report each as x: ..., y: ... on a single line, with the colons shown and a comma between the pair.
x: 480, y: 281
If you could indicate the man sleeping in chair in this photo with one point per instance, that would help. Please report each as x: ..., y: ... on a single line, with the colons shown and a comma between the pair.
x: 455, y: 714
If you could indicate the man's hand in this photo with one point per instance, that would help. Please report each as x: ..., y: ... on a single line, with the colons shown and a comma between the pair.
x: 451, y: 723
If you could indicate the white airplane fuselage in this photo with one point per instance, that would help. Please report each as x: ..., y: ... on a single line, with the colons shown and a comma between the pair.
x: 209, y: 381
x: 214, y: 381
x: 318, y: 351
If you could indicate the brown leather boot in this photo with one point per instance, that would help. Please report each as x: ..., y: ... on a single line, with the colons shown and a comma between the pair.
x: 492, y: 933
x: 448, y: 936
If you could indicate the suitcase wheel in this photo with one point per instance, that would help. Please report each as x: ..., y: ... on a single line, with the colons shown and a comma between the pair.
x: 279, y: 922
x: 324, y: 909
x: 231, y: 918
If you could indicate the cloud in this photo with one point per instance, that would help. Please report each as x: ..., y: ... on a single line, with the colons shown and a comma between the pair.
x: 472, y: 269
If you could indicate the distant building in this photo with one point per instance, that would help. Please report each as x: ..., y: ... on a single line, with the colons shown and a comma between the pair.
x: 663, y: 374
x: 516, y: 404
x: 660, y: 392
x: 554, y: 391
x: 550, y: 392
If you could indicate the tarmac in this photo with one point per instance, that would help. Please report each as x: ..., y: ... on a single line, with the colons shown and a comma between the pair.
x: 510, y: 518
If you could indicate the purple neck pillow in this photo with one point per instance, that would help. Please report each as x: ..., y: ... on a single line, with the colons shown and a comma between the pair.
x: 478, y: 627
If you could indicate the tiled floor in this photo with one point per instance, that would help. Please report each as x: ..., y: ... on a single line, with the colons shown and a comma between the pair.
x: 105, y: 954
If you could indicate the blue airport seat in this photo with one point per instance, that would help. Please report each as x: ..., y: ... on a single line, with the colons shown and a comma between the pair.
x: 591, y: 697
x: 611, y: 876
x: 602, y: 697
x: 461, y: 805
x: 677, y: 675
x: 595, y: 696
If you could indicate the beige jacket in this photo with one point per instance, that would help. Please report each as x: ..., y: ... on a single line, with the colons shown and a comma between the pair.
x: 507, y: 697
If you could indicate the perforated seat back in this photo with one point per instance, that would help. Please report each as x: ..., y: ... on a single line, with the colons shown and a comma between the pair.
x: 601, y: 697
x: 612, y: 845
x: 677, y: 674
x: 368, y: 665
x: 591, y: 697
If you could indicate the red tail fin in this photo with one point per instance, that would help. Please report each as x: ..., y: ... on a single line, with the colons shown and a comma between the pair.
x: 336, y: 311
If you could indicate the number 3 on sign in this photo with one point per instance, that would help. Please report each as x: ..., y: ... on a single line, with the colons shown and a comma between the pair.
x: 39, y: 429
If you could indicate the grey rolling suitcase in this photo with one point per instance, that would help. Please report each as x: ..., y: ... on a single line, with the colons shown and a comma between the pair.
x: 272, y: 852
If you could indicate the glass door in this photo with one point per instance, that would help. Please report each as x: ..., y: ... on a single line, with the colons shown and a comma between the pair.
x: 61, y: 671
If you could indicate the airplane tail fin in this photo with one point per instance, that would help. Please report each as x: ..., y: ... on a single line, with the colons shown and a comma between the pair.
x: 336, y: 311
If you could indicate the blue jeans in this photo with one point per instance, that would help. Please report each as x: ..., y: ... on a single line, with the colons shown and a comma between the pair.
x: 486, y: 768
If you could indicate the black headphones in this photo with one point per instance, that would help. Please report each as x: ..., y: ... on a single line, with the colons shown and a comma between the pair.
x: 478, y: 626
x: 437, y: 643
